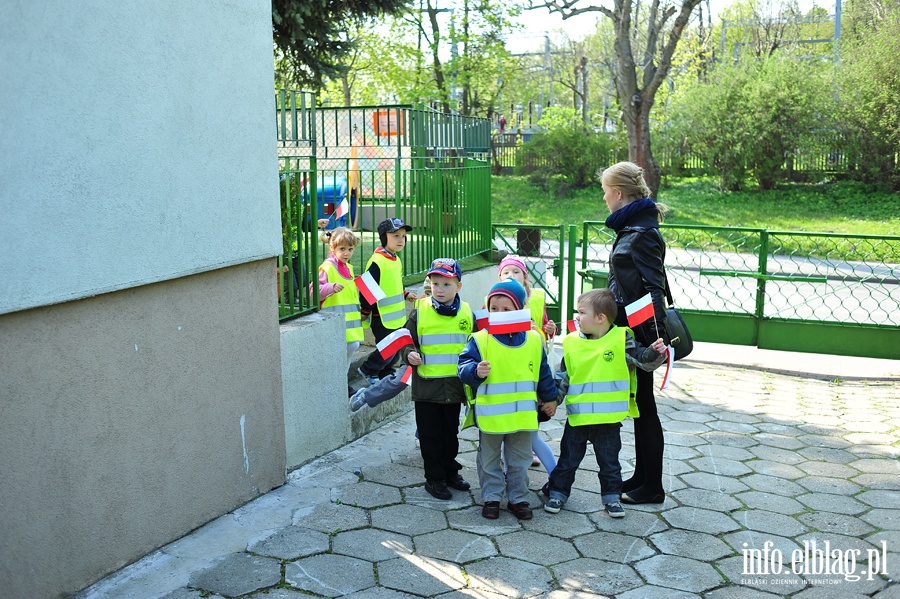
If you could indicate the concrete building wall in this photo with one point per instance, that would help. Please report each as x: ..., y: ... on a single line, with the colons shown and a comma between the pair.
x: 132, y: 418
x: 140, y: 367
x: 137, y: 144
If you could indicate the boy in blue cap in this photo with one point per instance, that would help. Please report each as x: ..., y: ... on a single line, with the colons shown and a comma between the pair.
x: 512, y: 381
x: 440, y: 326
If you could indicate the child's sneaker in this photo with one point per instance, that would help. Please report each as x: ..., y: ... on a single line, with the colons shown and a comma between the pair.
x: 370, y: 378
x: 614, y: 509
x: 553, y: 505
x: 357, y: 402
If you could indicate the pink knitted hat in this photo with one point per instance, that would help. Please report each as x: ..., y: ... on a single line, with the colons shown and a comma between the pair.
x: 513, y: 261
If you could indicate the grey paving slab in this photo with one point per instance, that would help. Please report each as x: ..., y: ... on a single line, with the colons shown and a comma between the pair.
x: 372, y: 544
x: 291, y: 543
x: 613, y: 547
x: 330, y: 517
x: 238, y: 574
x: 455, y: 546
x: 744, y: 470
x: 679, y: 573
x: 422, y: 576
x: 770, y: 502
x: 764, y: 521
x: 536, y: 547
x: 702, y: 498
x: 691, y: 518
x: 688, y: 543
x: 330, y: 575
x: 409, y: 519
x: 510, y: 577
x: 824, y: 484
x: 597, y: 576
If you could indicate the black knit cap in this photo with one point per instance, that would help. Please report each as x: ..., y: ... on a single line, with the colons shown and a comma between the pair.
x: 390, y: 225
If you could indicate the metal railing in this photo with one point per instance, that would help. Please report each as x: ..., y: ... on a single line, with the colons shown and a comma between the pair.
x: 819, y: 292
x: 407, y: 161
x: 543, y: 250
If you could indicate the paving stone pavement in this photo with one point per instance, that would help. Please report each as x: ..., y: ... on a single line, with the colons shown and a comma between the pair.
x: 781, y: 474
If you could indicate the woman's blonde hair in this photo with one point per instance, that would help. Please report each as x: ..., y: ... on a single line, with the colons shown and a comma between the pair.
x: 628, y: 178
x: 339, y: 236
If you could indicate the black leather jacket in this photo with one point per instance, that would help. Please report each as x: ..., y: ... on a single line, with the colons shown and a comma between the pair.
x: 636, y: 268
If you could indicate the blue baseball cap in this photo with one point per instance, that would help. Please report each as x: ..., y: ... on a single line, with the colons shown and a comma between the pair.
x: 446, y: 267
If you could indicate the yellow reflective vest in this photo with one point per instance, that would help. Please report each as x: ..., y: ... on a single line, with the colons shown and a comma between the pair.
x: 441, y: 338
x: 506, y: 402
x: 601, y: 387
x: 392, y: 308
x: 345, y: 301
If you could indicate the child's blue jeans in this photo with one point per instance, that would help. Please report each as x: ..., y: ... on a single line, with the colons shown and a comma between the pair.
x: 607, y: 443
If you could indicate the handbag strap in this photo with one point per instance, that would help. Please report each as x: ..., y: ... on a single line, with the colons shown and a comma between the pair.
x: 668, y: 291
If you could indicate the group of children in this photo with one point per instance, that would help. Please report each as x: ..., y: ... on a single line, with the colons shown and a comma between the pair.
x: 504, y: 378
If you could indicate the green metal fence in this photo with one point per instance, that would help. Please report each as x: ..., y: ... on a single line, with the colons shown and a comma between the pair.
x: 543, y: 250
x: 428, y: 168
x: 812, y: 292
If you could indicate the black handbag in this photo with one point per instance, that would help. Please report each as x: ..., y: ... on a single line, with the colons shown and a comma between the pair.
x: 679, y: 336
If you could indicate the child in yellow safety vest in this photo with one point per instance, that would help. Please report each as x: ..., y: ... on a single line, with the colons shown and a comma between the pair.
x: 512, y: 381
x: 597, y: 381
x: 389, y: 313
x: 440, y: 326
x: 512, y: 267
x: 337, y: 291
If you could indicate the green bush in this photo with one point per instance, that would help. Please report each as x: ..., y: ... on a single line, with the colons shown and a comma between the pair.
x: 868, y: 114
x: 566, y: 156
x: 751, y: 117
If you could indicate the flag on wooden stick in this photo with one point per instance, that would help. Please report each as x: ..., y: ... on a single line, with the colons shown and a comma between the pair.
x: 516, y: 321
x: 369, y: 288
x: 481, y: 319
x: 391, y: 344
x: 342, y: 209
x: 640, y: 310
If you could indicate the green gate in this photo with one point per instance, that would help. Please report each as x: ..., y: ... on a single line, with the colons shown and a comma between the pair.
x: 796, y: 291
x: 542, y: 248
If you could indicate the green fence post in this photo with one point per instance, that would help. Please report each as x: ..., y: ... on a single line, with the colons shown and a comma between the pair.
x: 570, y: 276
x: 761, y: 283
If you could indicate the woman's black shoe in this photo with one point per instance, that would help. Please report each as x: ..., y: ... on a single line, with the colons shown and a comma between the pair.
x: 626, y: 498
x: 459, y: 483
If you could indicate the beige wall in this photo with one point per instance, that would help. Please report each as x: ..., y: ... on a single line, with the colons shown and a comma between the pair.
x: 128, y: 419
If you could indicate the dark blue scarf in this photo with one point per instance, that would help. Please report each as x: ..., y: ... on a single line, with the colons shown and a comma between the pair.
x: 447, y: 309
x: 618, y: 220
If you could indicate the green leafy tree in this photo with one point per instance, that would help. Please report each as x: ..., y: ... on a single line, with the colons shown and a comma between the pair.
x: 644, y: 46
x: 869, y: 92
x: 311, y: 38
x: 753, y: 116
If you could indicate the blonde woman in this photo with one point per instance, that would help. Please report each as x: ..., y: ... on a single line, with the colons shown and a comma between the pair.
x: 636, y: 269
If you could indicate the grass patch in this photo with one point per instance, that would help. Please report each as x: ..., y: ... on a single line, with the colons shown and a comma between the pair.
x: 843, y: 207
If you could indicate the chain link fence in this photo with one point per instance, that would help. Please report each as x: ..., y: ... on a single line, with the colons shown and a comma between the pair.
x: 778, y: 278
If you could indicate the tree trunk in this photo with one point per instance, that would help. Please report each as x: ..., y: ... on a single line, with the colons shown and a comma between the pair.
x: 640, y: 152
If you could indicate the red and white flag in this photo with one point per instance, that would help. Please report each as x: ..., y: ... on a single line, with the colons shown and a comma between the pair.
x: 639, y: 311
x: 391, y: 344
x: 670, y: 354
x: 342, y: 209
x: 573, y: 325
x: 369, y: 288
x: 407, y: 374
x: 481, y: 319
x: 516, y: 321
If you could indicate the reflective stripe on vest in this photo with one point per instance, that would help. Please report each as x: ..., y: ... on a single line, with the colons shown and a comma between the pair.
x: 391, y: 309
x: 506, y: 402
x: 599, y: 378
x: 345, y: 301
x: 440, y: 349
